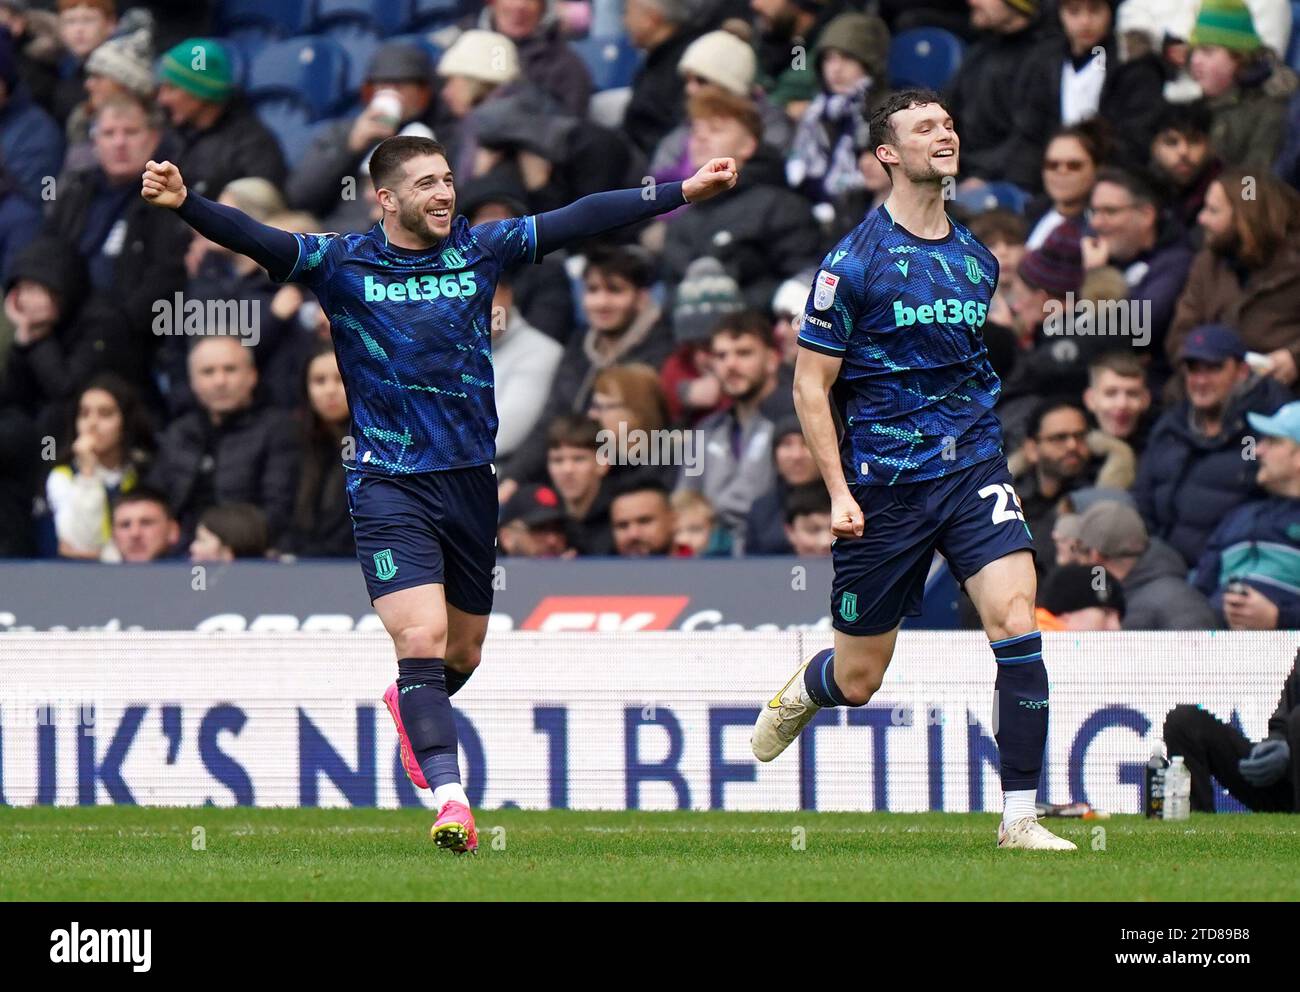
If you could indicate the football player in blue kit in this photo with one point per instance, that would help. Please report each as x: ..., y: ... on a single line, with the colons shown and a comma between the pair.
x: 410, y: 310
x: 891, y: 349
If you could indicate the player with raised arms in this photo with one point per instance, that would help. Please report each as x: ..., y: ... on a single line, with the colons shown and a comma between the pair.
x: 891, y: 345
x: 410, y: 310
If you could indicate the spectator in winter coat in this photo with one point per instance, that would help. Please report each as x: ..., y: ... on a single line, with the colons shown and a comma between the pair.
x: 219, y: 136
x: 1157, y: 594
x: 1264, y: 776
x: 706, y: 296
x: 1195, y: 470
x: 227, y: 451
x: 1251, y: 565
x: 765, y: 533
x: 121, y: 66
x: 661, y: 29
x: 37, y: 45
x: 84, y: 25
x: 322, y: 523
x: 761, y: 232
x: 1248, y: 274
x: 1078, y: 74
x: 31, y: 141
x: 977, y: 96
x: 19, y: 222
x: 524, y: 361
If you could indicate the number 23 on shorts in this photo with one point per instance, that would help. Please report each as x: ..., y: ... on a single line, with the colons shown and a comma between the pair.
x: 1007, y: 506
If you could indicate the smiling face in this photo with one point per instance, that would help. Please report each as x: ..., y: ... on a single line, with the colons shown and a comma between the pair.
x: 1117, y: 401
x: 423, y: 198
x: 923, y: 146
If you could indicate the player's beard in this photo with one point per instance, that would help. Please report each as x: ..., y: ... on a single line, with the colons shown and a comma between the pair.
x: 413, y: 218
x: 927, y: 175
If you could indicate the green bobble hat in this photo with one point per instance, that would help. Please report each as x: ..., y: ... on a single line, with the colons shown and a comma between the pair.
x: 1227, y: 23
x: 200, y: 67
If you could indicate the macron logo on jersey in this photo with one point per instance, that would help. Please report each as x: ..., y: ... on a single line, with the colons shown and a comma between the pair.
x: 416, y: 289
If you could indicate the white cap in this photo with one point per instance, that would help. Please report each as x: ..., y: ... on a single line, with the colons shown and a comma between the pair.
x: 722, y: 59
x: 483, y: 55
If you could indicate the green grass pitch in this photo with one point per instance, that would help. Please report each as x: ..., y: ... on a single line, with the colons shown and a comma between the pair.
x: 130, y: 853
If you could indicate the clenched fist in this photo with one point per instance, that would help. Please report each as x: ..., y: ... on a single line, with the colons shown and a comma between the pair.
x: 162, y: 185
x: 716, y: 176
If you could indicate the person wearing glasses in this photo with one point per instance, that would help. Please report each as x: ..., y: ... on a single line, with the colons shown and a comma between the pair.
x: 1070, y: 164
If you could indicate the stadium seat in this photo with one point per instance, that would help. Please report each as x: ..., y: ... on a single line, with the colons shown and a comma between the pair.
x: 435, y: 13
x: 278, y: 18
x: 242, y: 49
x: 383, y: 17
x: 611, y: 60
x: 1006, y: 195
x: 291, y: 122
x: 311, y: 70
x: 924, y: 57
x: 359, y: 45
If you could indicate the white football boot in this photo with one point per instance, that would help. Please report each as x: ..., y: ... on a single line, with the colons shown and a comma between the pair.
x: 1027, y: 834
x: 780, y: 721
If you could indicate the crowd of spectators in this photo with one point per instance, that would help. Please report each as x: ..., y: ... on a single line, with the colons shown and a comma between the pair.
x: 1133, y: 166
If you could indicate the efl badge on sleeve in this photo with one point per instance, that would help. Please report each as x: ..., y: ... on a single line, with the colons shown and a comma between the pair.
x: 824, y: 291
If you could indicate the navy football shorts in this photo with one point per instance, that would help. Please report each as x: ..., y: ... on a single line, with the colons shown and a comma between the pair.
x: 441, y: 527
x: 971, y: 517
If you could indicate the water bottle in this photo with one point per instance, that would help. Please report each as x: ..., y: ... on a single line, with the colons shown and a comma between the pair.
x: 1153, y: 788
x: 1178, y: 790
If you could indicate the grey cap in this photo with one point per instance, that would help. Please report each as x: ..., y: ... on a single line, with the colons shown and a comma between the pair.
x: 399, y: 62
x: 1113, y: 530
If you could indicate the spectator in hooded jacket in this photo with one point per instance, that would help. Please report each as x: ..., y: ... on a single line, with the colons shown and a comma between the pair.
x: 1251, y: 565
x: 1157, y: 594
x: 229, y: 450
x: 706, y: 296
x: 1079, y: 74
x: 31, y: 141
x: 1248, y: 273
x: 991, y: 70
x: 1245, y: 86
x: 787, y: 26
x: 761, y: 232
x: 1195, y: 469
x: 35, y: 34
x: 852, y: 60
x: 219, y: 136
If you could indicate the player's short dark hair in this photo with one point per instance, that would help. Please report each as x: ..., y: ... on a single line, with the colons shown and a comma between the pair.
x: 573, y: 430
x: 1122, y: 363
x: 809, y: 498
x: 621, y: 262
x: 640, y: 482
x: 881, y: 130
x: 239, y: 526
x: 1192, y: 120
x: 393, y: 153
x: 744, y: 322
x: 1138, y: 186
x: 999, y: 225
x: 144, y: 494
x: 1047, y: 407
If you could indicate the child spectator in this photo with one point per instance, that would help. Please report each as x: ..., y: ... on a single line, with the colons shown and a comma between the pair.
x: 807, y: 517
x: 578, y: 475
x: 697, y: 534
x: 229, y: 531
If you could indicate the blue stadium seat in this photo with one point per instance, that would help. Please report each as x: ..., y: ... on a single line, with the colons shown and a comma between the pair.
x: 291, y: 122
x: 924, y: 57
x: 435, y: 13
x: 611, y: 60
x: 1293, y: 52
x: 359, y: 44
x: 383, y: 17
x: 279, y: 18
x: 1006, y: 195
x: 242, y: 48
x: 311, y: 70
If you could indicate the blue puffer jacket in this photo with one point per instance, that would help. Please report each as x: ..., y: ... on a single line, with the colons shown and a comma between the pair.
x: 1258, y: 543
x: 1188, y: 483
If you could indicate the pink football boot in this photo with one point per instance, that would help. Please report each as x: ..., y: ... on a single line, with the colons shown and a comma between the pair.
x: 409, y: 764
x: 454, y: 829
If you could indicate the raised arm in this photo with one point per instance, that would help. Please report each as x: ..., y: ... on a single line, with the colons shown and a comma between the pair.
x: 273, y: 249
x: 599, y: 212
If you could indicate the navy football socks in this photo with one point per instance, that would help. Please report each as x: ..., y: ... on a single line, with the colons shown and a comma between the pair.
x: 819, y: 680
x: 427, y: 716
x: 1021, y: 689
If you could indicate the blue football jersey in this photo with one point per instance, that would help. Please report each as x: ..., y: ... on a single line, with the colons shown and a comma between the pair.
x: 916, y: 391
x: 412, y: 331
